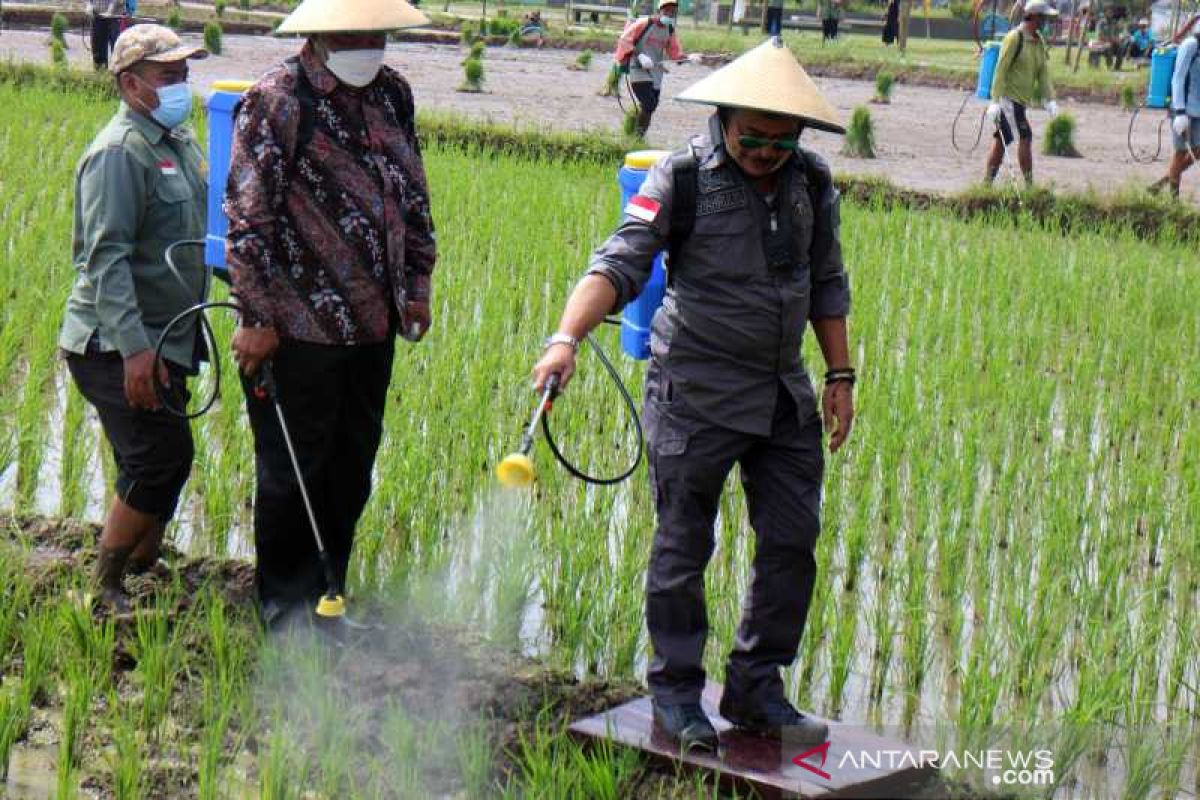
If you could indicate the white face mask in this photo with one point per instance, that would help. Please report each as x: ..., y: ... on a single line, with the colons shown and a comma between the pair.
x: 354, y: 67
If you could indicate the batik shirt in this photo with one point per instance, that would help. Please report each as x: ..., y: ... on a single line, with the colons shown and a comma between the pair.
x: 330, y: 233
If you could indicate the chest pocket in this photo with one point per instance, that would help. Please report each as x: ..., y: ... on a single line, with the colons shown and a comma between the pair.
x: 719, y: 246
x: 803, y: 224
x: 172, y: 196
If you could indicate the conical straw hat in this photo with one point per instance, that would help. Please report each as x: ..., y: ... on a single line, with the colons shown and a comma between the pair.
x: 768, y: 78
x: 352, y: 16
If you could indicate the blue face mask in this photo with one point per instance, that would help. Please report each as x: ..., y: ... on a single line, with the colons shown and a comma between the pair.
x: 174, y: 105
x: 665, y: 20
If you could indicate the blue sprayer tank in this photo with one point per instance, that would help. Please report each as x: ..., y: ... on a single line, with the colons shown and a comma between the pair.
x: 1162, y: 67
x: 987, y: 70
x: 635, y: 324
x: 221, y: 105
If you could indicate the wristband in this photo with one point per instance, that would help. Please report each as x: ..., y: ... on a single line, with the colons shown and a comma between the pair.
x: 562, y: 338
x: 844, y: 375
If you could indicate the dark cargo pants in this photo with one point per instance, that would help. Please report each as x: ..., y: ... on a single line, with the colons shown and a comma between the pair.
x: 781, y: 476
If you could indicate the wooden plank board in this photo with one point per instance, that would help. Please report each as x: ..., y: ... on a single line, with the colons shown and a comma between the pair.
x: 767, y: 765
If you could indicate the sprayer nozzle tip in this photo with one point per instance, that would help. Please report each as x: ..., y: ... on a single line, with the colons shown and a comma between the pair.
x: 515, y: 471
x: 331, y: 605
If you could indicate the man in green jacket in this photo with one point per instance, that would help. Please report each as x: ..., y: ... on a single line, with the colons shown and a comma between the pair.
x: 1022, y: 79
x: 139, y: 188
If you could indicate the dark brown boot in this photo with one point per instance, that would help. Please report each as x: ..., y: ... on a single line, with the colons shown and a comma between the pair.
x: 110, y: 568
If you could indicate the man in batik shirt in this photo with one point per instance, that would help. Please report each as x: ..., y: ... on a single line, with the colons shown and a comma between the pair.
x: 331, y: 249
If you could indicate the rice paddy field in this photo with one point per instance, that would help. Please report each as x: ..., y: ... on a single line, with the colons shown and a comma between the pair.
x: 1010, y: 549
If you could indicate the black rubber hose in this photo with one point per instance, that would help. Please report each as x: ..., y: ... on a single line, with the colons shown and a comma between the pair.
x: 214, y: 353
x: 1139, y: 157
x: 629, y: 403
x: 954, y: 126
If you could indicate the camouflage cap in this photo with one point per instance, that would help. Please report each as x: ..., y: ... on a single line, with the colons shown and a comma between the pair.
x: 150, y: 43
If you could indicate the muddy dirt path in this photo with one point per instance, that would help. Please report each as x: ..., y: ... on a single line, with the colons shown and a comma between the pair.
x: 536, y: 88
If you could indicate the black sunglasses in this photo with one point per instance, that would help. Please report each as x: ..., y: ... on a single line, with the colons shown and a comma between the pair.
x: 756, y: 142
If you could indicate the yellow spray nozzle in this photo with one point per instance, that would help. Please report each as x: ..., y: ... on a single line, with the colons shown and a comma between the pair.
x: 515, y: 471
x: 331, y: 605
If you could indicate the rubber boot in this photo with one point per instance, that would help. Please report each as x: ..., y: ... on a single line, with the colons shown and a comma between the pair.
x: 110, y: 568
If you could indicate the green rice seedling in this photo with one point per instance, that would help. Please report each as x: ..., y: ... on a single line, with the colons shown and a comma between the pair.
x: 1128, y: 97
x: 76, y: 707
x: 125, y: 760
x: 244, y: 5
x: 860, y: 135
x: 212, y: 37
x: 58, y: 54
x: 467, y: 34
x: 884, y: 81
x: 174, y: 19
x: 87, y: 639
x: 39, y: 643
x: 472, y: 76
x: 611, y: 82
x: 283, y: 773
x: 603, y: 770
x: 58, y: 28
x: 583, y: 61
x: 14, y: 719
x: 217, y: 714
x: 1059, y: 139
x: 476, y: 755
x: 75, y: 451
x: 158, y: 651
x: 219, y: 8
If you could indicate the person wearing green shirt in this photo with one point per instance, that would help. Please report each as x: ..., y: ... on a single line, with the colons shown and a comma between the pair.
x: 1022, y: 79
x: 139, y: 188
x: 831, y: 15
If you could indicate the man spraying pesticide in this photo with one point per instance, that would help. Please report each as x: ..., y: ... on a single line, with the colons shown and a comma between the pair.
x: 750, y: 222
x: 1185, y: 112
x: 641, y: 50
x: 1022, y: 79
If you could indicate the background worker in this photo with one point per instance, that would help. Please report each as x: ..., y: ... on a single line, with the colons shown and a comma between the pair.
x: 1185, y: 113
x: 1022, y: 79
x: 107, y: 25
x: 1140, y: 44
x: 774, y: 17
x: 331, y: 249
x: 761, y: 261
x: 139, y: 188
x: 641, y: 49
x: 831, y: 17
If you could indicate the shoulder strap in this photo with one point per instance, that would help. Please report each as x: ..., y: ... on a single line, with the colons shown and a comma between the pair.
x: 820, y: 184
x: 307, y: 100
x: 685, y: 171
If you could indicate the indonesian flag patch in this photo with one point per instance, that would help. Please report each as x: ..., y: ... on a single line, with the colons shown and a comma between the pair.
x: 643, y: 208
x: 168, y: 167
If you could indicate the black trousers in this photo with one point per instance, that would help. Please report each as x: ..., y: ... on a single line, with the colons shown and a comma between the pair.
x: 829, y: 28
x: 647, y: 97
x: 781, y: 476
x: 333, y: 401
x: 153, y: 450
x: 105, y: 30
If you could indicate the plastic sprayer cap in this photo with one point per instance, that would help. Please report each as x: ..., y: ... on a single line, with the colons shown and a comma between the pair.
x: 645, y: 159
x: 231, y: 86
x: 515, y: 471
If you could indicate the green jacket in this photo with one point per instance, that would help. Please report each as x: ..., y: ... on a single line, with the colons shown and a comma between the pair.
x: 1023, y: 70
x: 827, y: 9
x: 138, y: 189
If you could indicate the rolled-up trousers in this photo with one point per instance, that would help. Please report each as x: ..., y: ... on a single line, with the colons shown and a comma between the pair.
x: 781, y: 475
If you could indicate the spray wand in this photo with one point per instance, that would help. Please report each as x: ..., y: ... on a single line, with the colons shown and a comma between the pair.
x: 331, y: 604
x: 516, y: 470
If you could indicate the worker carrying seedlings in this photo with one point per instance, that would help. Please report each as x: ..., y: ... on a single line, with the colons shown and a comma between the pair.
x: 1185, y: 113
x: 641, y: 49
x: 750, y: 222
x: 1022, y: 80
x: 139, y: 188
x: 331, y: 250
